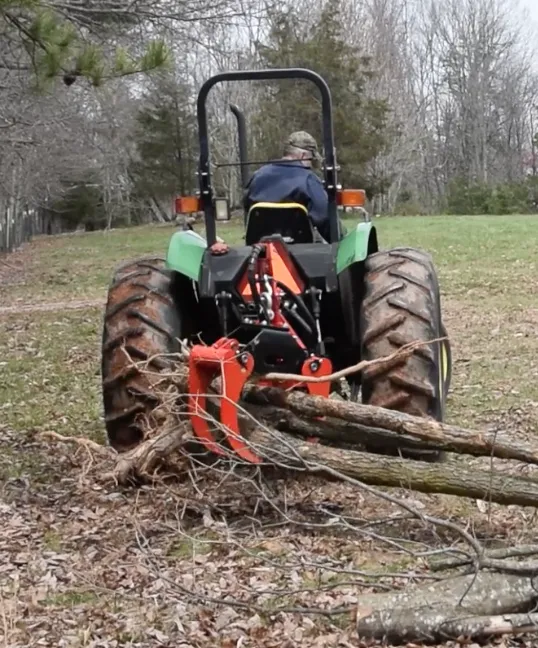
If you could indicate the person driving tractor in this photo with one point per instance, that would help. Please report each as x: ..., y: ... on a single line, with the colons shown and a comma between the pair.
x: 291, y: 179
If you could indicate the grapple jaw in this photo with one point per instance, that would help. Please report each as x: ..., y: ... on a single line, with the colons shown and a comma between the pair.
x: 267, y: 288
x: 234, y: 367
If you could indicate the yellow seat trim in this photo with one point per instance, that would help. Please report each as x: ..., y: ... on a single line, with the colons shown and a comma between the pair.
x: 272, y: 205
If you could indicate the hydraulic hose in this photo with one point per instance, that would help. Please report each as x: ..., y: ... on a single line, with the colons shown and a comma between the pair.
x: 305, y: 332
x: 301, y: 306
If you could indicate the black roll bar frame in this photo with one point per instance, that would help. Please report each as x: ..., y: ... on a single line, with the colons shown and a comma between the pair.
x: 329, y: 167
x: 242, y: 141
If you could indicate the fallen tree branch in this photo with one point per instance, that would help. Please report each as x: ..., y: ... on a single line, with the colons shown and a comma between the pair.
x: 371, y: 419
x: 274, y: 446
x: 371, y: 426
x: 492, y: 554
x: 338, y: 431
x: 379, y: 470
x: 373, y: 469
x: 430, y: 613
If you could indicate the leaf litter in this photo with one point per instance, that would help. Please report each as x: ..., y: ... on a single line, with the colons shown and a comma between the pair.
x: 84, y: 563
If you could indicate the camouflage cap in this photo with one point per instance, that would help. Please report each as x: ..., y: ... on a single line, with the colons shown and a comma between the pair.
x: 305, y: 141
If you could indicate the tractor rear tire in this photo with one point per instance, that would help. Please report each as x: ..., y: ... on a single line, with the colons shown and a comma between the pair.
x: 141, y: 325
x: 401, y: 304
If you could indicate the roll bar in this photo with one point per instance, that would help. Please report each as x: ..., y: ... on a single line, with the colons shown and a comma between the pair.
x: 329, y: 169
x: 242, y: 137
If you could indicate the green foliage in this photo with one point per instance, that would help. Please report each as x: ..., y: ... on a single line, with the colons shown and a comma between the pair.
x: 157, y: 56
x: 508, y: 198
x: 89, y: 63
x: 408, y: 205
x: 360, y: 122
x: 166, y: 142
x: 56, y: 48
x: 81, y: 204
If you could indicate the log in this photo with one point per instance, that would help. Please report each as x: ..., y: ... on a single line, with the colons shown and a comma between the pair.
x: 337, y: 431
x: 371, y: 426
x: 371, y: 419
x: 292, y: 452
x: 433, y: 613
x: 378, y: 470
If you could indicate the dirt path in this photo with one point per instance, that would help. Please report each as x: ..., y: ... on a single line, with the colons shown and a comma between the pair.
x: 51, y: 306
x: 18, y: 270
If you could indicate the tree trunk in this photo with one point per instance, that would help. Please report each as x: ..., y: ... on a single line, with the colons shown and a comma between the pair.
x: 292, y: 452
x: 367, y: 425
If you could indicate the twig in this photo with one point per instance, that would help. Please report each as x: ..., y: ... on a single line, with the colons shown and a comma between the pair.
x: 88, y: 444
x: 230, y: 602
x: 401, y: 354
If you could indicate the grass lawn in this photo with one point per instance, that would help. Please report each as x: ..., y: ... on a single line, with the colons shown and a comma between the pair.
x: 77, y: 548
x: 488, y: 271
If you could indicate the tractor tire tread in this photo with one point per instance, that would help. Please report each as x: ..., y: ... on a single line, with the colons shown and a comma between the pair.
x: 141, y: 325
x: 401, y: 305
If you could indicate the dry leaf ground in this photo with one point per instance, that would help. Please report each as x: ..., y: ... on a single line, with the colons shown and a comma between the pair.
x: 83, y: 563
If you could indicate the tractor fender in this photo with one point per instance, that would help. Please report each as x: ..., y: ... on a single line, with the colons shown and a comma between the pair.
x: 185, y: 253
x: 352, y: 251
x: 356, y: 246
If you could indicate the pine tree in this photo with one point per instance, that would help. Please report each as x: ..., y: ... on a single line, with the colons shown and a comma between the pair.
x: 56, y: 48
x: 359, y: 121
x: 166, y: 143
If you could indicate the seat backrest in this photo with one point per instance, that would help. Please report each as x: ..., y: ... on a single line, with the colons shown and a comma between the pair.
x: 290, y: 220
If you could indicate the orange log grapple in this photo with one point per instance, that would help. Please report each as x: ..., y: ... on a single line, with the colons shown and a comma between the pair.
x: 274, y: 332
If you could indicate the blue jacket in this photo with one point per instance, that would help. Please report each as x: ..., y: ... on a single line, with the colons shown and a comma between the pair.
x: 290, y: 181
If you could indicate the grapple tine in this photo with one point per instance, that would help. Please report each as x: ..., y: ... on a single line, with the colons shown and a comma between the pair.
x: 201, y: 374
x: 235, y: 373
x: 205, y: 363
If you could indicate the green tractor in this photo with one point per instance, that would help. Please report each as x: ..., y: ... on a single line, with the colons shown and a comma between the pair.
x: 285, y: 301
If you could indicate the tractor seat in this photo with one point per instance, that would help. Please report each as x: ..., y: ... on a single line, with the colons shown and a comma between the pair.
x: 290, y: 220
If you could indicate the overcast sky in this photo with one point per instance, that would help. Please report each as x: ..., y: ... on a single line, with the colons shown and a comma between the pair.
x: 532, y: 6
